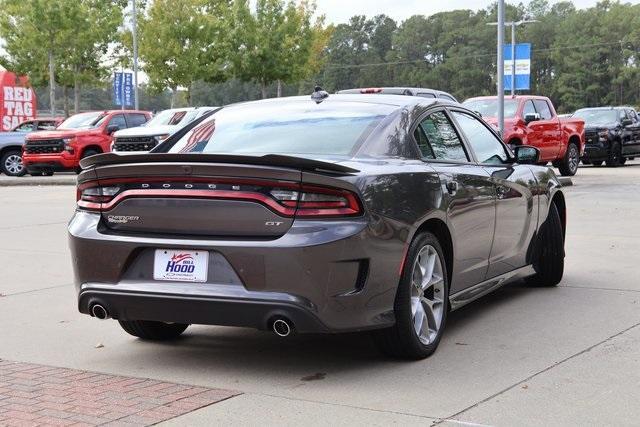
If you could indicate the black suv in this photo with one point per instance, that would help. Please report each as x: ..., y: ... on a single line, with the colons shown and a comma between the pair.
x: 612, y: 135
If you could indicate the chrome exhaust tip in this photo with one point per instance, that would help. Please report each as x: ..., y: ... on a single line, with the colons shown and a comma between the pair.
x: 99, y: 312
x: 281, y: 327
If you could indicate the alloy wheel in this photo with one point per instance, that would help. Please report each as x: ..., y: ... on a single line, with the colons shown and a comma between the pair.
x: 574, y: 158
x: 427, y: 294
x: 13, y: 164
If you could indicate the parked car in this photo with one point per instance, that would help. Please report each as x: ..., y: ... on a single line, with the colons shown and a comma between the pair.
x: 81, y: 135
x: 11, y: 144
x: 352, y: 213
x: 156, y: 130
x: 532, y: 120
x: 408, y: 91
x: 612, y: 134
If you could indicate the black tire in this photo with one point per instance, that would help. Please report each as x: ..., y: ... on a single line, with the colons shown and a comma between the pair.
x: 153, y: 331
x: 47, y: 173
x: 597, y: 163
x: 549, y: 258
x: 401, y: 340
x: 615, y: 155
x: 11, y: 163
x: 568, y: 166
x: 585, y: 162
x: 35, y: 173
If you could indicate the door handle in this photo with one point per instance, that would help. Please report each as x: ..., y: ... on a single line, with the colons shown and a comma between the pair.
x: 452, y: 187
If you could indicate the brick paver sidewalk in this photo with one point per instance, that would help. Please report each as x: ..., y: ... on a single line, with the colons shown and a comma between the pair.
x: 43, y: 395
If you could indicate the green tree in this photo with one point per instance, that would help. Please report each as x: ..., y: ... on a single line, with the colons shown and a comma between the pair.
x: 36, y: 35
x: 275, y: 43
x: 183, y: 41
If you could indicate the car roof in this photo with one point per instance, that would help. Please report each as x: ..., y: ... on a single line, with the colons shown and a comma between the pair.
x: 381, y: 99
x: 507, y: 97
x: 620, y: 107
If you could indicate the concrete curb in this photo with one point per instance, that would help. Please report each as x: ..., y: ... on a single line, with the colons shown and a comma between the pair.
x: 22, y: 182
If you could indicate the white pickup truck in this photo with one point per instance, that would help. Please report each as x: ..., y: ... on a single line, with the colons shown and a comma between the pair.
x: 160, y: 127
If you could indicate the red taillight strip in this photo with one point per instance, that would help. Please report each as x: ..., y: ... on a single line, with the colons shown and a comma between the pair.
x: 146, y: 180
x: 199, y: 194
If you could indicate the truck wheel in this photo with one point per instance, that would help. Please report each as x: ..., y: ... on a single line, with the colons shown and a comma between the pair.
x: 11, y: 163
x: 615, y: 155
x: 549, y: 262
x: 153, y: 331
x: 421, y: 303
x: 569, y: 165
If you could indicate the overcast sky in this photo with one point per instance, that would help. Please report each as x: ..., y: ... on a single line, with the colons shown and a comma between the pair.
x: 339, y: 11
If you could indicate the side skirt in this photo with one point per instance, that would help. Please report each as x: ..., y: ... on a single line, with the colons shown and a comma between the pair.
x: 468, y: 295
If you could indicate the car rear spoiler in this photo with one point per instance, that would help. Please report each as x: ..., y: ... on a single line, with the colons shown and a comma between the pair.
x: 266, y: 160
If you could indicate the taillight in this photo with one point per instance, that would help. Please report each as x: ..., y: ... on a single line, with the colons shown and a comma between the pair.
x: 284, y: 198
x: 320, y: 201
x: 371, y: 90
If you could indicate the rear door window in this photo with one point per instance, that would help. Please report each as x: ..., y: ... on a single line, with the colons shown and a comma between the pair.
x: 441, y: 139
x: 135, y: 120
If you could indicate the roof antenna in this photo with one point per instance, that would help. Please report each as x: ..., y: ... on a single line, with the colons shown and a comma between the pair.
x: 319, y: 94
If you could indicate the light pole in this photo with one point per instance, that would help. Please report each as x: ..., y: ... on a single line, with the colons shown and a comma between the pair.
x: 135, y: 55
x: 501, y: 24
x: 500, y: 85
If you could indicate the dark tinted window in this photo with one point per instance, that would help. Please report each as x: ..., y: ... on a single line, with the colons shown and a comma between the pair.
x: 485, y: 145
x: 543, y: 109
x: 118, y: 120
x: 426, y: 95
x: 136, y: 120
x: 423, y: 144
x: 442, y: 138
x: 294, y: 127
x: 445, y: 96
x: 528, y: 108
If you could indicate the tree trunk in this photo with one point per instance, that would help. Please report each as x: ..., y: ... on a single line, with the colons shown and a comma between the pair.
x: 263, y: 87
x: 76, y: 95
x: 52, y: 85
x: 174, y: 96
x: 65, y: 101
x: 189, y: 95
x: 279, y: 88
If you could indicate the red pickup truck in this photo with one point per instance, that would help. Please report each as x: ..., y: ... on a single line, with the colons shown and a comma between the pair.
x: 532, y: 120
x: 81, y: 135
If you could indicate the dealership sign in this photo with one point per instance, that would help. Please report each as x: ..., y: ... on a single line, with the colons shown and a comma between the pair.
x: 123, y: 89
x: 17, y: 100
x: 523, y: 66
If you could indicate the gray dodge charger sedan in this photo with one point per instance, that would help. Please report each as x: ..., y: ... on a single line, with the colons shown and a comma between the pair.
x: 331, y: 214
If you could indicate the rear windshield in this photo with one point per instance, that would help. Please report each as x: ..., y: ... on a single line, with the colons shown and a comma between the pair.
x: 597, y: 117
x: 296, y: 127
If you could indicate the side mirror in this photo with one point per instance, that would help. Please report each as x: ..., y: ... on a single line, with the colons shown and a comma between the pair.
x: 531, y: 117
x: 527, y: 155
x: 112, y: 128
x: 627, y: 122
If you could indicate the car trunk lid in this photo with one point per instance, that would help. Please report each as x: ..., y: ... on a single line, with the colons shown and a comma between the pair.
x: 197, y: 194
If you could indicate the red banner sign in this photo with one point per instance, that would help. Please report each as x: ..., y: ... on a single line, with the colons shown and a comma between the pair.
x: 17, y: 100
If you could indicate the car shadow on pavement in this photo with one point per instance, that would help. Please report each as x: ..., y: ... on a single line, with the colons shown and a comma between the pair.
x: 307, y: 356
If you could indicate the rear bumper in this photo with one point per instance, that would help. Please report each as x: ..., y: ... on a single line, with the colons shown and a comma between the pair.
x: 248, y: 309
x: 325, y: 276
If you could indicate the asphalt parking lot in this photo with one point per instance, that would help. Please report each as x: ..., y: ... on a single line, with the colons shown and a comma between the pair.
x: 520, y: 356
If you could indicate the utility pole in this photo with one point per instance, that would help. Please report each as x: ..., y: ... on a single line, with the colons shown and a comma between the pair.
x: 135, y: 56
